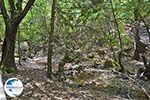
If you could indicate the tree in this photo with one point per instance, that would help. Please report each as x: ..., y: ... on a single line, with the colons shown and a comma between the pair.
x: 139, y: 46
x: 51, y: 38
x: 119, y: 36
x: 12, y: 18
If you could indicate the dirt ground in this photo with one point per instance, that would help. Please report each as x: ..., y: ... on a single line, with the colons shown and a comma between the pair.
x: 98, y: 84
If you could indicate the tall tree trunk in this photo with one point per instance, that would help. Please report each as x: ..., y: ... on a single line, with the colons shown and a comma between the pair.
x: 19, y: 49
x: 136, y: 55
x: 51, y: 40
x: 8, y: 49
x: 120, y: 40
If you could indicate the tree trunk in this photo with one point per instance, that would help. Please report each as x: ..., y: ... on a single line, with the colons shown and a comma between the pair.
x: 51, y: 40
x: 19, y: 49
x: 8, y: 49
x: 119, y: 37
x: 12, y: 21
x: 136, y: 55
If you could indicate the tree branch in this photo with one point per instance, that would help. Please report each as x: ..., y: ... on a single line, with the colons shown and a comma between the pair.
x: 4, y: 11
x: 19, y: 5
x: 19, y: 18
x: 12, y: 7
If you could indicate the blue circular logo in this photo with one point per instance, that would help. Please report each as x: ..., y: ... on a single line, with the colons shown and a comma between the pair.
x: 13, y: 87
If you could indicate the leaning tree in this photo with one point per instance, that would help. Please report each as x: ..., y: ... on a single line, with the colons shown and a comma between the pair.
x: 13, y: 14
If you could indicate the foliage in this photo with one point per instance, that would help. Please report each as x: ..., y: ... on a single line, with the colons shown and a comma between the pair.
x: 86, y: 34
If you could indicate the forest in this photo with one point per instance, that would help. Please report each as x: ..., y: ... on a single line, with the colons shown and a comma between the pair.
x: 75, y: 49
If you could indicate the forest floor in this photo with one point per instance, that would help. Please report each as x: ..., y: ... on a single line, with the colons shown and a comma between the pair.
x: 92, y: 83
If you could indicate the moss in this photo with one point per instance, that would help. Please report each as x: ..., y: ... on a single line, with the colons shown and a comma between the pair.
x: 111, y: 64
x: 6, y: 69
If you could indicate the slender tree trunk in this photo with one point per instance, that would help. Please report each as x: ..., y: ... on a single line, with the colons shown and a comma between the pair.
x: 136, y: 55
x: 19, y: 50
x: 51, y: 40
x: 120, y: 40
x: 19, y: 6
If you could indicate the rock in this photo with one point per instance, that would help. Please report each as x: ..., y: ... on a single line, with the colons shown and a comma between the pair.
x: 111, y: 64
x: 91, y: 55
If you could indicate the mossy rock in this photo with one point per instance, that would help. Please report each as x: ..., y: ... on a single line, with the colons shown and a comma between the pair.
x: 109, y: 64
x: 81, y: 78
x: 5, y: 69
